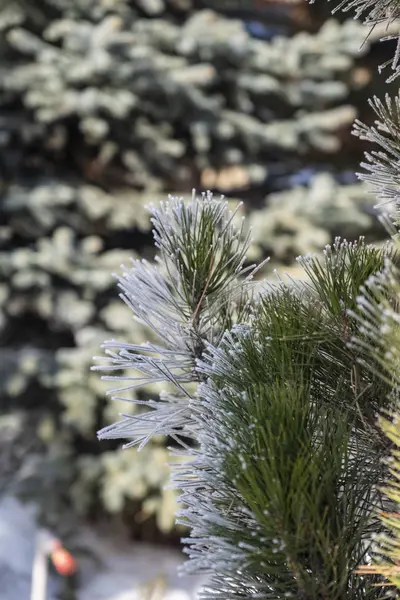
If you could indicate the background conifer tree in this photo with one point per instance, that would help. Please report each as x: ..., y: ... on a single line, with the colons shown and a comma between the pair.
x: 105, y: 106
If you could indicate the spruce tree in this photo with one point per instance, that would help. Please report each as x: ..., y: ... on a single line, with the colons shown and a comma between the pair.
x: 105, y: 106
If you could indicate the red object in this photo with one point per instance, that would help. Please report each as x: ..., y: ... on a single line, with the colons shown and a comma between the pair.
x: 63, y: 561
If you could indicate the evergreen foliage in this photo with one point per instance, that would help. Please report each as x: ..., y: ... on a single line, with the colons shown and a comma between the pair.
x: 195, y: 293
x: 373, y: 14
x: 281, y: 486
x: 193, y: 103
x: 378, y: 315
x: 378, y: 303
x: 282, y: 489
x: 286, y: 477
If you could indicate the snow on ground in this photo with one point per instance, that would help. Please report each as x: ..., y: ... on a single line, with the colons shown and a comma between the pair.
x: 112, y: 569
x: 134, y: 572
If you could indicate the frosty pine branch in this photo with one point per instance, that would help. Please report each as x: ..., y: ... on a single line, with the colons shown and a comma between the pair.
x: 196, y: 290
x: 374, y: 13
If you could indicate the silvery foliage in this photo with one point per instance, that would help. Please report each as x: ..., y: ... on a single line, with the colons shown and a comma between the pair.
x: 379, y: 322
x: 194, y: 291
x: 374, y: 13
x: 382, y: 166
x: 211, y: 501
x: 382, y: 171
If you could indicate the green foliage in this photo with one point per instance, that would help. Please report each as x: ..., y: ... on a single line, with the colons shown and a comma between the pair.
x: 381, y: 166
x: 378, y: 315
x: 283, y: 487
x: 277, y: 460
x: 377, y: 310
x: 282, y: 491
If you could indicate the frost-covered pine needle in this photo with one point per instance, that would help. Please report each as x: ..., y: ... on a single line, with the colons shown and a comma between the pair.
x: 197, y: 288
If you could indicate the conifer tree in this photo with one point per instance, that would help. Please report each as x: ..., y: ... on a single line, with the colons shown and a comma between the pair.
x: 278, y: 391
x: 282, y: 481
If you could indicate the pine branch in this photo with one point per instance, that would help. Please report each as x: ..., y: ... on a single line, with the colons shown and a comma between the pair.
x: 196, y: 290
x: 382, y: 171
x: 379, y: 322
x: 281, y: 494
x: 378, y: 316
x: 282, y: 485
x: 377, y: 338
x: 374, y: 13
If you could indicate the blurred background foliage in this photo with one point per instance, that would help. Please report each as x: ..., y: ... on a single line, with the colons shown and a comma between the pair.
x: 105, y: 107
